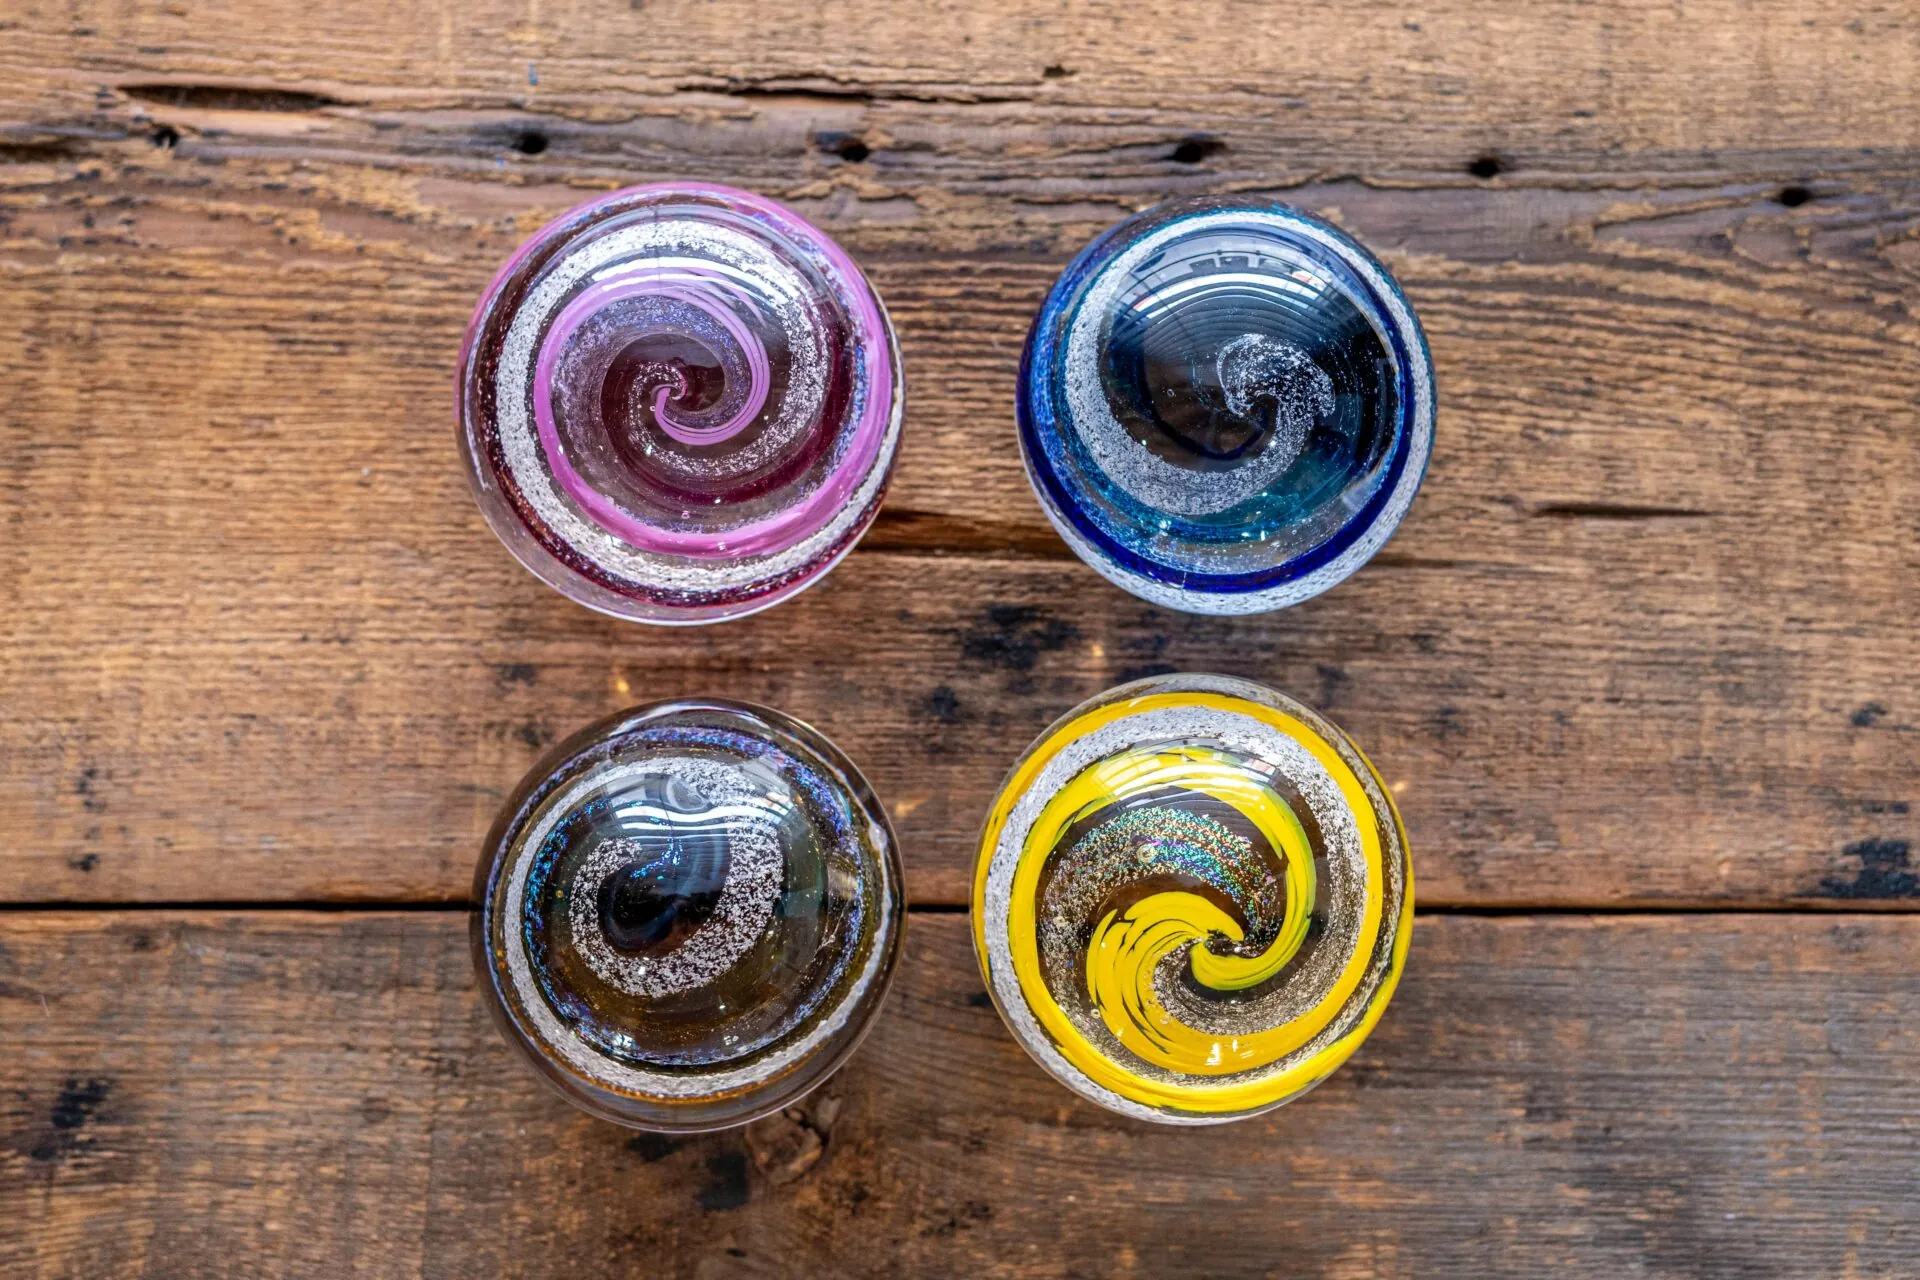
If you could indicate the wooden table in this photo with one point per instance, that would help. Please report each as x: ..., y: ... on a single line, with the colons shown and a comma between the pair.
x: 1641, y: 666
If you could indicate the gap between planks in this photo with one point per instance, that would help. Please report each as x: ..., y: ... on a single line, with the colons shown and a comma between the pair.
x: 1486, y: 912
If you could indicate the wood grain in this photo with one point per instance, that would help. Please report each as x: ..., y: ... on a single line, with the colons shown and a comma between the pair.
x: 1339, y: 83
x: 1646, y: 639
x: 1591, y: 736
x: 229, y: 1094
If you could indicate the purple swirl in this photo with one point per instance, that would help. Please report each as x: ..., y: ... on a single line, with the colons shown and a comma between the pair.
x: 692, y: 288
x: 708, y: 378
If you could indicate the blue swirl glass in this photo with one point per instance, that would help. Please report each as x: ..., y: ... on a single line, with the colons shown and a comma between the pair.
x: 1225, y: 407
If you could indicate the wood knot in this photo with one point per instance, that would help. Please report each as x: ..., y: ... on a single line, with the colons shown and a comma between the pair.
x: 784, y: 1147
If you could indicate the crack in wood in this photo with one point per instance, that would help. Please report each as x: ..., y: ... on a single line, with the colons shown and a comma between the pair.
x: 40, y: 148
x: 229, y: 97
x: 907, y: 532
x: 1617, y: 511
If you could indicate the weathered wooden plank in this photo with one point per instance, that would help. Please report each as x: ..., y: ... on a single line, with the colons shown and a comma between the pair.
x: 1715, y: 357
x: 1594, y: 735
x: 1662, y: 616
x: 1647, y: 636
x: 1678, y: 1096
x: 1330, y: 83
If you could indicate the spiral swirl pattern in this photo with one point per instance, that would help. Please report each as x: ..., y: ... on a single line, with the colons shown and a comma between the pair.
x: 1193, y: 899
x: 690, y: 912
x: 1225, y: 407
x: 680, y: 403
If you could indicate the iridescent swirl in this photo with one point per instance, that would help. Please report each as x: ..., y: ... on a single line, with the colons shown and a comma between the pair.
x: 1192, y: 900
x: 680, y: 403
x: 1225, y: 408
x: 690, y: 913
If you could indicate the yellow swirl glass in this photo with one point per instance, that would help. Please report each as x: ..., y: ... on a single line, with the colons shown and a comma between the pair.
x: 1193, y: 899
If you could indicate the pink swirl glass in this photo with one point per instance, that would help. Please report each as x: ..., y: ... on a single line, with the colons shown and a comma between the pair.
x: 679, y: 403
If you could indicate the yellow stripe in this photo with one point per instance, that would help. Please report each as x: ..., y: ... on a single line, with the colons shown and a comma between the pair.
x: 1126, y: 948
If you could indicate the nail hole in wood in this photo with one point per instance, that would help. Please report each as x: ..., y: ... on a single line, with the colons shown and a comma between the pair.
x: 1486, y: 167
x: 1194, y: 150
x: 530, y: 143
x: 847, y: 146
x: 1793, y: 197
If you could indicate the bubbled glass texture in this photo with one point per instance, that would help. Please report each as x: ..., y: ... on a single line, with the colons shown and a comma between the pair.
x: 680, y: 403
x: 1224, y: 407
x: 690, y: 912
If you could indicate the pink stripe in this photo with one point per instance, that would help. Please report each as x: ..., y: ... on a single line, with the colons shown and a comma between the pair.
x: 785, y: 528
x: 606, y: 513
x: 650, y: 282
x: 759, y: 379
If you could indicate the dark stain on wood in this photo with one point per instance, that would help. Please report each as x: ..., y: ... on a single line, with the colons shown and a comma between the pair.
x: 75, y: 1105
x: 971, y: 1213
x: 943, y: 704
x: 726, y: 1188
x: 87, y: 787
x: 652, y: 1147
x: 1013, y: 636
x: 1884, y: 872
